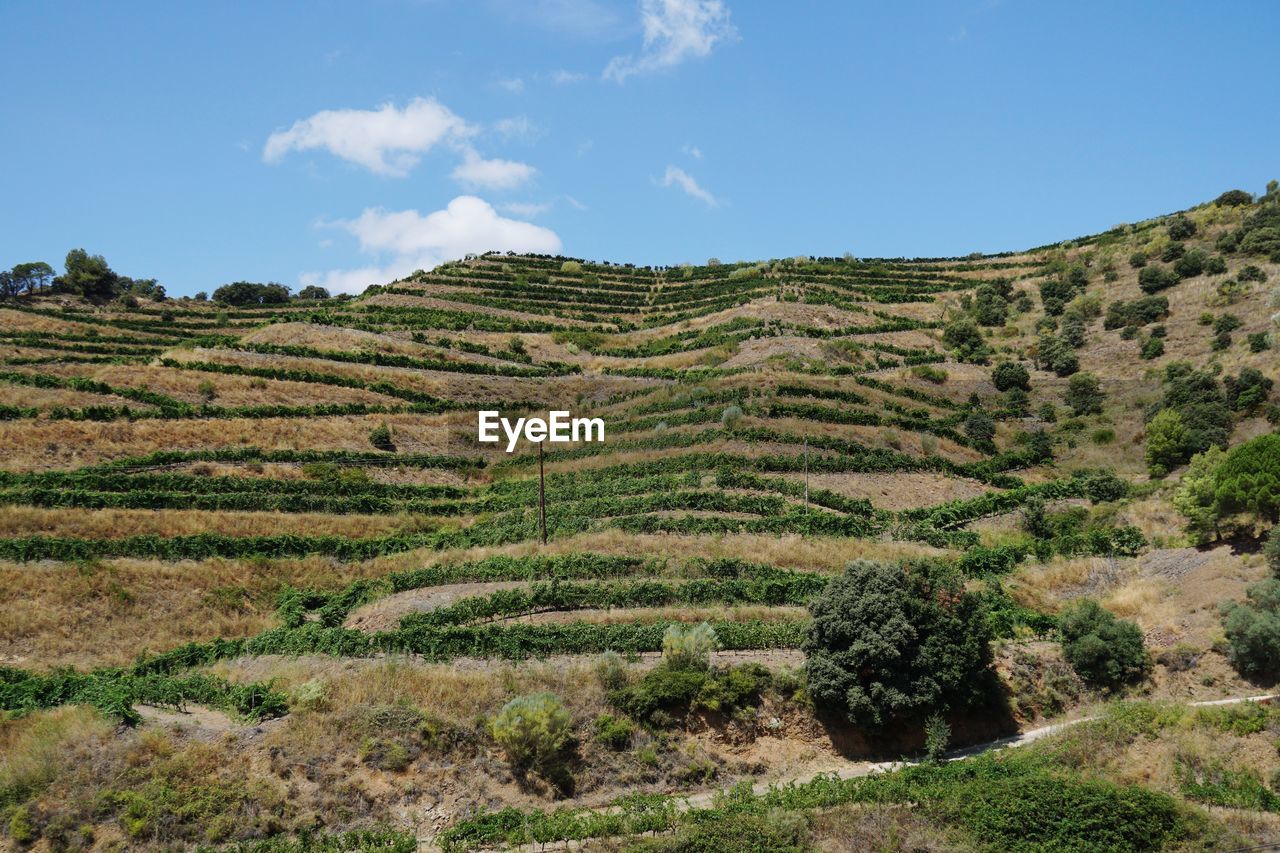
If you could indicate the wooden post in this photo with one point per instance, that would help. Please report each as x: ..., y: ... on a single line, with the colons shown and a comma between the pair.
x: 542, y: 494
x: 806, y: 474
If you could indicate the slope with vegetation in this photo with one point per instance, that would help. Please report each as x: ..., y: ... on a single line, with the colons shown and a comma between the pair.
x: 264, y: 587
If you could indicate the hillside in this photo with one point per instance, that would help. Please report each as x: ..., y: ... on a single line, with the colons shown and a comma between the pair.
x: 262, y: 582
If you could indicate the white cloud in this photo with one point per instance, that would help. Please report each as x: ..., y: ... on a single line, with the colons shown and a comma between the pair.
x: 677, y: 177
x: 514, y: 85
x: 388, y: 141
x: 562, y: 77
x: 574, y: 203
x: 693, y: 151
x: 467, y: 225
x: 517, y: 127
x: 526, y: 208
x: 494, y: 174
x: 674, y: 30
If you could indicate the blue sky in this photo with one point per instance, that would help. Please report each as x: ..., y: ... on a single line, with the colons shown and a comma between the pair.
x: 345, y: 143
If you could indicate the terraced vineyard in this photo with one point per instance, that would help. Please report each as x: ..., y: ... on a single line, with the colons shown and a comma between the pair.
x: 275, y: 526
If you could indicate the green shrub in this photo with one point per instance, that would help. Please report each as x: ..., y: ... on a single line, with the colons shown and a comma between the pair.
x: 1258, y: 342
x: 614, y: 732
x: 1180, y: 228
x: 1152, y: 347
x: 1247, y: 391
x: 937, y: 737
x: 1191, y: 264
x: 688, y: 647
x: 890, y: 642
x: 980, y: 427
x: 1251, y: 272
x: 965, y: 338
x: 532, y: 729
x: 380, y: 437
x: 989, y: 307
x: 1271, y: 550
x: 1234, y: 198
x: 1084, y: 394
x: 1153, y: 279
x: 611, y: 670
x: 1105, y: 651
x: 1008, y: 375
x: 1253, y: 630
x: 929, y: 373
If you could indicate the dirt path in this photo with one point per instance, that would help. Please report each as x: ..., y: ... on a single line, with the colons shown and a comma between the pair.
x: 385, y: 613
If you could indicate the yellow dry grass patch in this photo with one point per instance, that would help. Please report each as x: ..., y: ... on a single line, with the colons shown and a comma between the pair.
x: 896, y: 491
x: 74, y: 522
x: 66, y: 444
x: 105, y: 613
x: 34, y: 748
x: 47, y: 398
x: 230, y: 390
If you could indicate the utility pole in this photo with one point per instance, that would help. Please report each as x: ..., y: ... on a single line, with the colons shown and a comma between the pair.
x: 542, y: 494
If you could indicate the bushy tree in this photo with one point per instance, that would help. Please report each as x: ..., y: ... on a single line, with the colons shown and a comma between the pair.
x: 1271, y: 550
x: 1248, y: 479
x: 980, y: 427
x: 1084, y: 394
x: 1247, y: 391
x: 1166, y: 442
x: 1203, y: 418
x: 313, y: 291
x: 89, y: 276
x: 251, y: 293
x: 1180, y: 228
x: 1195, y: 495
x: 989, y: 307
x: 965, y: 338
x: 1191, y: 264
x: 1233, y: 198
x: 1053, y: 354
x: 1071, y: 329
x: 1105, y: 651
x: 894, y: 642
x: 1010, y: 374
x: 25, y: 278
x: 1253, y: 630
x: 1155, y: 278
x: 532, y: 729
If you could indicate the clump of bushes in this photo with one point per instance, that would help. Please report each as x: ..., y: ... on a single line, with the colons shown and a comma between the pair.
x: 891, y: 643
x: 532, y: 730
x: 1010, y: 374
x: 1084, y: 394
x: 380, y: 437
x: 1253, y: 630
x: 1105, y: 651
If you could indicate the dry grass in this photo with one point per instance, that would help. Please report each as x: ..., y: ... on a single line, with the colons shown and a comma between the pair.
x: 67, y: 444
x: 230, y: 390
x: 104, y: 614
x: 19, y: 521
x: 46, y: 398
x: 896, y: 491
x: 35, y: 749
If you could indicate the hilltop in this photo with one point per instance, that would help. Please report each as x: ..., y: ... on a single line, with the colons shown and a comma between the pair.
x: 297, y: 594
